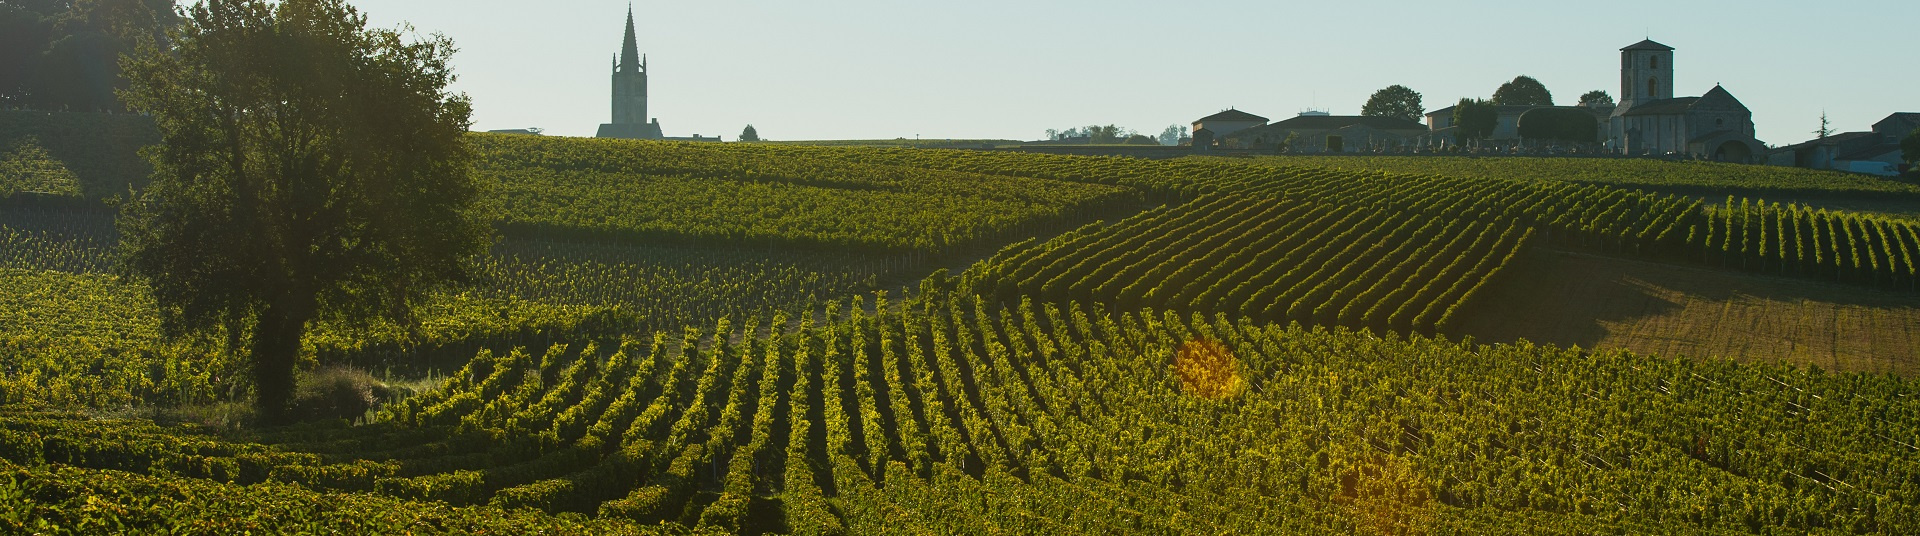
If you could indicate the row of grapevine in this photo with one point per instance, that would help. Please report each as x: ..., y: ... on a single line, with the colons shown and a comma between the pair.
x: 1271, y: 259
x: 1579, y: 204
x: 74, y: 334
x: 1802, y: 241
x: 1675, y: 177
x: 762, y: 195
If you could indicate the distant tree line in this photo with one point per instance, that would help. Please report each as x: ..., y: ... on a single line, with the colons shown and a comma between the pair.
x: 1102, y: 134
x: 1477, y: 118
x: 65, y: 54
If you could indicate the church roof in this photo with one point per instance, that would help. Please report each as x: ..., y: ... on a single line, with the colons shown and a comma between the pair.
x: 1719, y: 93
x: 1722, y: 133
x: 1663, y: 106
x: 1720, y: 100
x: 1647, y: 45
x: 1231, y: 115
x: 629, y: 48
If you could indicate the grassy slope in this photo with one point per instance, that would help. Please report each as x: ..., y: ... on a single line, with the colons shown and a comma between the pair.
x: 1599, y: 302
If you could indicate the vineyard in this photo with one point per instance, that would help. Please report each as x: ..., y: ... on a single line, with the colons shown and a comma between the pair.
x: 1678, y: 177
x: 743, y: 338
x: 697, y: 194
x: 72, y: 154
x: 74, y: 333
x: 1269, y: 259
x: 964, y: 416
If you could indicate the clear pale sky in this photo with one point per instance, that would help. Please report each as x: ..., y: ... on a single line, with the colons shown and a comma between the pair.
x: 864, y: 69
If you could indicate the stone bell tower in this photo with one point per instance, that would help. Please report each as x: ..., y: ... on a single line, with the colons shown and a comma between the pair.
x: 630, y: 93
x: 1646, y: 73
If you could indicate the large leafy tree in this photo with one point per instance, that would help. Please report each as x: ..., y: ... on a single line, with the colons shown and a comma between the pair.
x: 1596, y: 98
x: 1523, y: 91
x: 64, y: 54
x: 1173, y: 134
x: 1563, y: 124
x: 1910, y: 147
x: 310, y: 168
x: 1476, y: 118
x: 1395, y: 101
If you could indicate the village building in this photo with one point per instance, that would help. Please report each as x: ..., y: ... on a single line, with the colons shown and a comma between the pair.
x: 1314, y: 132
x: 1226, y: 122
x: 1649, y: 120
x: 1875, y: 151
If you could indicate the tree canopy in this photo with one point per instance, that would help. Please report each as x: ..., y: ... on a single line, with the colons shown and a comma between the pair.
x: 1523, y: 91
x: 309, y: 168
x: 1596, y: 98
x: 1476, y: 118
x: 1562, y: 124
x: 1173, y: 134
x: 1395, y: 101
x: 749, y: 134
x: 1094, y: 134
x: 64, y: 54
x: 1910, y: 147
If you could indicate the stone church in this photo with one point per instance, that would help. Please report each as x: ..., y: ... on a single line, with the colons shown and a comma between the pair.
x: 630, y: 94
x: 1649, y: 120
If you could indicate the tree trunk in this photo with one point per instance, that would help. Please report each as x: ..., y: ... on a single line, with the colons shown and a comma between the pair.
x: 276, y: 347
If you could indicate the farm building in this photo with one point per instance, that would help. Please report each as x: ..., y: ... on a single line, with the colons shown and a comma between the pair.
x: 1227, y: 122
x: 1852, y: 151
x: 1310, y: 133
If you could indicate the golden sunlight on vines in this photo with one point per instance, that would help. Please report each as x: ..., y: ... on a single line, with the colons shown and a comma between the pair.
x: 1208, y: 369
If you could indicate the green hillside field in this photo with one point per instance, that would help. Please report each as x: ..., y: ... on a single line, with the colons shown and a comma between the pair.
x: 775, y: 338
x: 1709, y: 180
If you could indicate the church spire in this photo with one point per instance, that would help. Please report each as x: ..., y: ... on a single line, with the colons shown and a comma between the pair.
x: 630, y: 49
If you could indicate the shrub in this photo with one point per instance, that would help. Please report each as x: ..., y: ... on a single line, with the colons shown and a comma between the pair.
x: 338, y: 392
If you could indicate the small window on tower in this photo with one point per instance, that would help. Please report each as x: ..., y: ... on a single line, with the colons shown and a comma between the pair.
x: 1653, y: 87
x: 1654, y: 63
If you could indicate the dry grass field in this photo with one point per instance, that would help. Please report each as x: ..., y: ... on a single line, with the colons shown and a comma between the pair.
x: 1601, y: 302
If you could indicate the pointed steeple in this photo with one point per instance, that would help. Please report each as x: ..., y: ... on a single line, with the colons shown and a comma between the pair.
x: 630, y: 49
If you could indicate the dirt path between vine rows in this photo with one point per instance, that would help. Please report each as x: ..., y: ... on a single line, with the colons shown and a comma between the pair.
x: 1604, y: 302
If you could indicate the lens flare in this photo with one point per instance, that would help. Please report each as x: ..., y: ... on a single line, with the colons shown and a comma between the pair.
x: 1207, y: 369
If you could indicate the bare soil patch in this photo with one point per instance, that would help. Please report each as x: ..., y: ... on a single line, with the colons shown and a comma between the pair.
x: 1605, y: 303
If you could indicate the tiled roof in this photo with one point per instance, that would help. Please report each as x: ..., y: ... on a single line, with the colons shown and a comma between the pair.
x: 1835, y: 139
x: 1870, y: 153
x: 1330, y: 122
x: 1663, y: 106
x: 1231, y: 115
x: 1647, y: 45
